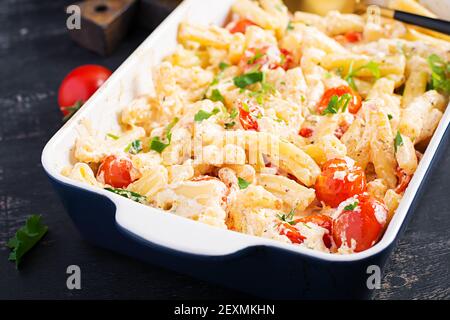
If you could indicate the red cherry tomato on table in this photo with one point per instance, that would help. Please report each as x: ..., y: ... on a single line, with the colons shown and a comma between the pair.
x: 363, y: 224
x: 322, y: 221
x: 353, y: 105
x: 79, y: 85
x: 242, y: 25
x: 339, y: 180
x: 248, y: 116
x: 116, y: 171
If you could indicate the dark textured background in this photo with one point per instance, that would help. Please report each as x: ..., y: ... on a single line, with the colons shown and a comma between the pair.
x: 35, y: 54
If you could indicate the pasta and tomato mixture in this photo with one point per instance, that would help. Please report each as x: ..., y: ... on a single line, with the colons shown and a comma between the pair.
x: 348, y: 104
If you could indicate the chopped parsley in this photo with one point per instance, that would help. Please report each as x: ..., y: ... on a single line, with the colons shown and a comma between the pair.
x: 128, y: 194
x: 223, y: 66
x: 216, y: 96
x: 290, y: 26
x: 258, y: 55
x: 157, y: 144
x: 247, y: 79
x: 440, y: 74
x: 243, y: 184
x: 233, y: 113
x: 337, y: 103
x: 351, y: 206
x: 112, y: 136
x: 289, y: 218
x: 390, y: 116
x: 203, y: 115
x: 26, y: 238
x: 372, y: 66
x: 398, y: 141
x: 134, y: 147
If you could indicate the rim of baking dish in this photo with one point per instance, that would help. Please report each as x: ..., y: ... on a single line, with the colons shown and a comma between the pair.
x: 246, y: 241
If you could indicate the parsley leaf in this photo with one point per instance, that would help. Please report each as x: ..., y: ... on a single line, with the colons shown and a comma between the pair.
x: 390, y: 116
x: 398, y: 141
x: 372, y: 66
x: 258, y: 55
x: 216, y: 96
x: 129, y: 194
x: 233, y: 113
x: 243, y: 184
x: 337, y: 103
x: 440, y: 73
x: 203, y: 115
x: 112, y: 136
x: 230, y: 125
x: 157, y: 145
x: 351, y: 206
x: 223, y: 66
x: 290, y: 26
x: 247, y: 79
x: 134, y: 147
x: 26, y: 238
x: 289, y: 218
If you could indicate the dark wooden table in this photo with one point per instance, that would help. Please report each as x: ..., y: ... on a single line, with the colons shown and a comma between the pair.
x: 35, y: 54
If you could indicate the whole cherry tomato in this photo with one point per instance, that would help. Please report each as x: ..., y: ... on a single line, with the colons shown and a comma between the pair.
x: 79, y: 85
x: 248, y: 116
x: 322, y: 221
x: 362, y: 221
x: 353, y: 105
x: 340, y: 179
x: 242, y: 25
x: 116, y: 171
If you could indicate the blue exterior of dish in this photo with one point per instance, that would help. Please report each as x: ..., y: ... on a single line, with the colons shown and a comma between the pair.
x: 263, y: 271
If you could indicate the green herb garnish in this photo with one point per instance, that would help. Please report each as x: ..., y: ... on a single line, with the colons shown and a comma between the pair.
x: 129, y: 194
x: 134, y: 147
x: 223, y: 66
x: 290, y: 26
x: 398, y: 141
x: 243, y: 184
x: 233, y: 113
x: 157, y: 144
x: 112, y: 136
x: 289, y: 218
x: 247, y: 79
x: 230, y: 125
x: 352, y: 206
x: 216, y: 96
x: 390, y: 116
x: 337, y: 103
x: 26, y: 238
x: 203, y: 115
x: 372, y: 66
x: 440, y: 74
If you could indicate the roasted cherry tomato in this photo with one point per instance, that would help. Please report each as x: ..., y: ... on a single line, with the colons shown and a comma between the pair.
x: 306, y: 132
x: 353, y: 36
x: 242, y: 25
x: 291, y: 232
x: 340, y: 179
x: 353, y: 105
x: 248, y: 116
x: 403, y: 180
x: 116, y: 171
x: 79, y: 85
x: 322, y: 221
x: 363, y: 222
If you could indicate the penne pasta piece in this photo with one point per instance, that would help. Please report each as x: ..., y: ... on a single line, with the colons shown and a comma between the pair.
x: 406, y: 155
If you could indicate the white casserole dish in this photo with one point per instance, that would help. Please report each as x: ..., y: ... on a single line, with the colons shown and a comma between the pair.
x: 170, y: 231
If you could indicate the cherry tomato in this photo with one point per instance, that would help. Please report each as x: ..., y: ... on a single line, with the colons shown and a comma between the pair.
x: 322, y: 221
x: 291, y: 232
x: 116, y: 172
x: 287, y: 59
x: 306, y: 132
x: 353, y: 36
x: 242, y: 25
x: 364, y: 224
x: 247, y: 116
x: 79, y: 85
x: 353, y: 105
x: 269, y: 57
x: 403, y: 180
x: 340, y: 179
